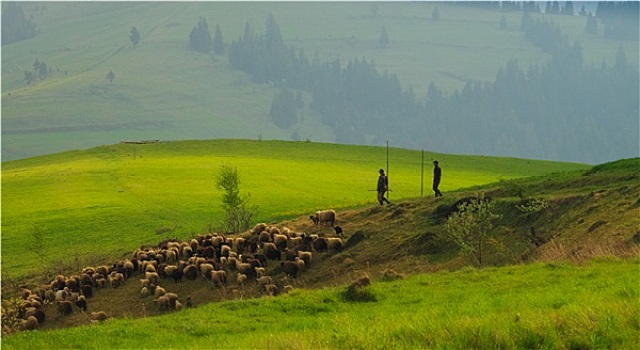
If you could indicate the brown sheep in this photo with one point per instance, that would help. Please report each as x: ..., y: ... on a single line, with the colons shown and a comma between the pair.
x: 290, y: 268
x: 322, y: 217
x: 219, y: 277
x: 65, y: 307
x: 99, y: 316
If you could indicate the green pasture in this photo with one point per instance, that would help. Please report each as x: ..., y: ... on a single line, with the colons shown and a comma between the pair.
x: 108, y: 200
x: 539, y: 306
x: 162, y: 90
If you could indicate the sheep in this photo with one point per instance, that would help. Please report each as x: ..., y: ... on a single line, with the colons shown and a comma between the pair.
x: 144, y: 292
x: 190, y: 272
x: 99, y: 316
x: 247, y: 269
x: 264, y: 280
x: 116, y: 279
x: 287, y: 288
x: 295, y: 242
x: 271, y: 251
x: 159, y: 292
x: 62, y: 294
x: 163, y: 302
x: 225, y: 250
x: 338, y: 230
x: 232, y: 263
x: 219, y: 277
x: 264, y: 237
x: 87, y: 291
x: 320, y: 244
x: 81, y: 303
x: 258, y: 228
x: 65, y: 307
x: 290, y: 268
x: 169, y: 270
x: 241, y: 279
x: 271, y: 289
x: 205, y: 270
x: 153, y: 277
x: 280, y: 241
x: 29, y: 324
x: 39, y: 314
x: 335, y: 243
x: 324, y: 216
x: 301, y: 265
x: 260, y: 271
x: 306, y: 257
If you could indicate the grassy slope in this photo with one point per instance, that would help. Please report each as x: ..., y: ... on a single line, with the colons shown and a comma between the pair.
x: 589, y: 215
x: 531, y: 306
x: 105, y: 198
x: 164, y: 91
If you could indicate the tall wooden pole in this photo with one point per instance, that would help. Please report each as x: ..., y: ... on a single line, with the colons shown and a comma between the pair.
x: 422, y: 175
x: 388, y: 192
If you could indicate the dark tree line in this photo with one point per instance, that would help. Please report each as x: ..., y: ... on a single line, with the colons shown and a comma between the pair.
x: 560, y: 110
x: 15, y: 26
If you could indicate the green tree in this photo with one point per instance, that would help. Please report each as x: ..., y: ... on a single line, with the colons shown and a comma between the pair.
x: 200, y: 38
x: 134, y: 36
x: 283, y: 109
x: 238, y: 213
x: 14, y: 25
x: 471, y: 228
x: 435, y: 15
x: 592, y: 25
x: 110, y: 76
x: 218, y: 41
x: 383, y: 41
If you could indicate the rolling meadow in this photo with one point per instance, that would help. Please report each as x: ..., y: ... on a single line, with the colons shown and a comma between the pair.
x: 577, y: 290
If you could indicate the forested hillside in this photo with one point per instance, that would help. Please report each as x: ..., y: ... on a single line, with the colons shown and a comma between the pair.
x: 525, y: 79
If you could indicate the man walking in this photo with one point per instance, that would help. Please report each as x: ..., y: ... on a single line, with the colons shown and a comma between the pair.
x: 383, y: 186
x: 437, y: 175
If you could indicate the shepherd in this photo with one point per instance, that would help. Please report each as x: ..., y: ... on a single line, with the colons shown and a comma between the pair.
x: 383, y: 187
x: 437, y: 175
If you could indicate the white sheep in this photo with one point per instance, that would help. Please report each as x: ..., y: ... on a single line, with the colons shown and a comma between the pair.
x: 219, y: 277
x: 241, y: 279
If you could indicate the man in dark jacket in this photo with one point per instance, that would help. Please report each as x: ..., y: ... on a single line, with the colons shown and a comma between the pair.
x: 437, y: 175
x: 383, y: 186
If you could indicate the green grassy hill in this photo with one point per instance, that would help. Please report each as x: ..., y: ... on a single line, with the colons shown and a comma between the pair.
x: 162, y: 90
x: 120, y: 196
x: 589, y: 212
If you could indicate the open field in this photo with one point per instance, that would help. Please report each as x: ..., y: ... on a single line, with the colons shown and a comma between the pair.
x: 162, y: 90
x: 576, y: 287
x: 121, y: 196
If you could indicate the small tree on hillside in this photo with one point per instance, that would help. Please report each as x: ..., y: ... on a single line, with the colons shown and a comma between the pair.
x: 218, y: 41
x: 470, y: 228
x: 134, y: 36
x: 110, y: 76
x: 238, y: 214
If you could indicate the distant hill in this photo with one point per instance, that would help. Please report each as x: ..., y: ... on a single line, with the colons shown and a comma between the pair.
x: 162, y: 90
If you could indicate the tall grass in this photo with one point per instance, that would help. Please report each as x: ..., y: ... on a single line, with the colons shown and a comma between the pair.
x: 544, y: 305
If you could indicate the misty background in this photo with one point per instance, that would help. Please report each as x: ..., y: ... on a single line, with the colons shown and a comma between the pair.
x: 540, y: 80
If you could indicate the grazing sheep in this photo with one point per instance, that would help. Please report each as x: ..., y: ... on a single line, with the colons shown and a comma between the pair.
x: 87, y: 291
x: 144, y: 292
x: 99, y: 316
x: 295, y: 242
x: 241, y: 279
x: 219, y: 277
x: 62, y: 294
x: 301, y: 265
x: 271, y: 289
x: 258, y: 228
x: 271, y: 251
x: 158, y: 292
x: 306, y: 257
x: 38, y: 314
x: 260, y: 271
x: 225, y: 250
x: 338, y: 230
x: 205, y: 270
x: 29, y: 324
x: 190, y: 272
x: 81, y: 303
x: 116, y: 279
x: 290, y: 268
x: 320, y: 244
x: 335, y: 243
x: 153, y: 277
x: 287, y: 288
x: 324, y: 216
x: 264, y: 280
x: 247, y: 269
x: 264, y: 237
x: 169, y: 270
x: 280, y: 241
x: 65, y: 307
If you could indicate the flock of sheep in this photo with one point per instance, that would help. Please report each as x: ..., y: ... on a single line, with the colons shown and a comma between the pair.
x: 267, y: 256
